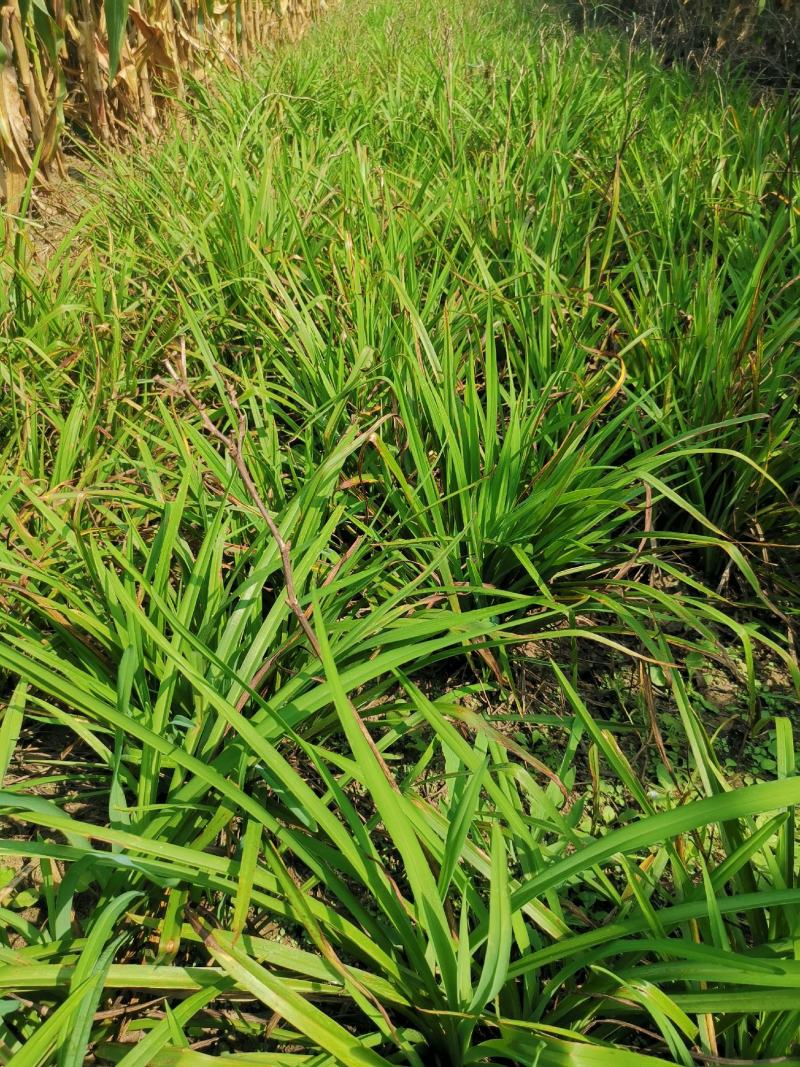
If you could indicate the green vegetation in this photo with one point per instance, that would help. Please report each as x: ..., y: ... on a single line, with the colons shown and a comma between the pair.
x: 496, y: 328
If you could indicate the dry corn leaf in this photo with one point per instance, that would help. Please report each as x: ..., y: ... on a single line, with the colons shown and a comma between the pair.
x: 155, y: 41
x: 52, y: 128
x: 13, y: 128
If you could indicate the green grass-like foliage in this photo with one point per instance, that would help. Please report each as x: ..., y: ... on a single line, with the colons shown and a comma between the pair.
x: 507, y: 319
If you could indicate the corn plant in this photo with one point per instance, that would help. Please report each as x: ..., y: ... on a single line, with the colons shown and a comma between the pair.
x: 104, y: 67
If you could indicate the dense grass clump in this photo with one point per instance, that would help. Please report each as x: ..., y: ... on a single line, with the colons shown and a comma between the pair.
x: 398, y: 507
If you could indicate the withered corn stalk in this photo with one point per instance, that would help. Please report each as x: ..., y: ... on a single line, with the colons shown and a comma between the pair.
x: 103, y: 67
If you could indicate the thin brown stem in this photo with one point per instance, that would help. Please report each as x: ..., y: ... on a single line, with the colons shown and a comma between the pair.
x: 234, y: 447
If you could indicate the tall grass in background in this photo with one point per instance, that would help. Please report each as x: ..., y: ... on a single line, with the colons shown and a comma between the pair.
x: 760, y: 35
x: 499, y: 324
